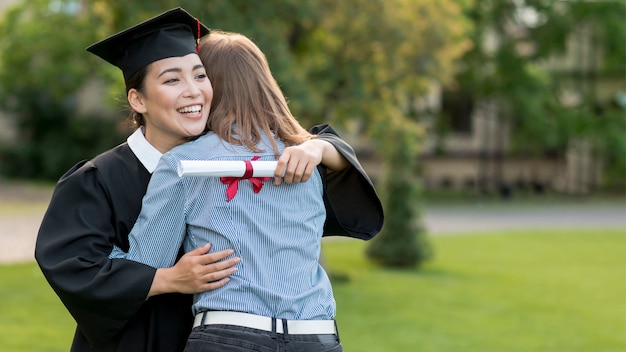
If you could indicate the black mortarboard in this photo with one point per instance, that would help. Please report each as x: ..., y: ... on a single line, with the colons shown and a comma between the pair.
x: 171, y: 34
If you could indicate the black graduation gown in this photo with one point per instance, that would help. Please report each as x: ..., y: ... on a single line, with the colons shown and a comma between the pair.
x: 95, y: 205
x: 353, y: 208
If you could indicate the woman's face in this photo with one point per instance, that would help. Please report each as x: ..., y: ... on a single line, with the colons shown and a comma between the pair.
x: 176, y: 101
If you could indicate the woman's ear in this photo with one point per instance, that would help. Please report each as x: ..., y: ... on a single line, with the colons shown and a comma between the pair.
x: 136, y: 101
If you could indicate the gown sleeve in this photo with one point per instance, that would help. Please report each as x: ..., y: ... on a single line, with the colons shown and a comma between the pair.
x: 352, y: 206
x: 74, y: 240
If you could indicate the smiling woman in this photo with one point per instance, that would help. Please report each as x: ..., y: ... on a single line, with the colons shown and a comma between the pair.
x: 123, y: 305
x: 174, y: 100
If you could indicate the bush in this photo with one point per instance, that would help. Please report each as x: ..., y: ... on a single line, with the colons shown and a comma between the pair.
x: 54, y: 150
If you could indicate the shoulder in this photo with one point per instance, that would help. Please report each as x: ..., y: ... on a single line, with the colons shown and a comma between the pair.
x: 113, y: 157
x: 118, y: 165
x: 198, y: 148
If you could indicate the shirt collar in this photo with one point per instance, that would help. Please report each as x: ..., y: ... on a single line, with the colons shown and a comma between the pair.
x: 147, y: 154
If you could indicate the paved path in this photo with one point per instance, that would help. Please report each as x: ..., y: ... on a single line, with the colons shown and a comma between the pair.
x: 461, y: 220
x: 18, y: 227
x: 17, y: 235
x: 21, y: 210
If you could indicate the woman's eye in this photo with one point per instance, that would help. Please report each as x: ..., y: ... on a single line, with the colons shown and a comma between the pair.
x: 171, y: 80
x: 201, y: 76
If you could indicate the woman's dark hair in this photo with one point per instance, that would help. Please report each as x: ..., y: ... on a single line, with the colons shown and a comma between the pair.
x: 136, y: 81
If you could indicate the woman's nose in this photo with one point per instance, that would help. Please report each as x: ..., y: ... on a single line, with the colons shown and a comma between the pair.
x: 193, y: 89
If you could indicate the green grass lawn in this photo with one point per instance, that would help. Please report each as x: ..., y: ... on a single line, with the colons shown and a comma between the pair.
x: 533, y: 291
x: 32, y: 318
x: 541, y: 291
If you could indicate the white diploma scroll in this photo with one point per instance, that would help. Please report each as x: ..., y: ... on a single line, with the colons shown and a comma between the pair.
x: 224, y: 168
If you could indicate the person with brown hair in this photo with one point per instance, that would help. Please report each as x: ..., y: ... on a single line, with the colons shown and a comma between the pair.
x: 280, y: 298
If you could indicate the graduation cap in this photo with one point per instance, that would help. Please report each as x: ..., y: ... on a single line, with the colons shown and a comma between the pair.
x: 173, y: 33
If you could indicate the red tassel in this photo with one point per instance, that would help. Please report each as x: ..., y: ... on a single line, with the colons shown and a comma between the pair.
x: 198, y: 39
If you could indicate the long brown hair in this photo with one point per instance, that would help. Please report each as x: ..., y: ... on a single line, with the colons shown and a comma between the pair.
x: 246, y: 94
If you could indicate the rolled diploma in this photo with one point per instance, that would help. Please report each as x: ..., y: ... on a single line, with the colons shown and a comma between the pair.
x: 224, y: 168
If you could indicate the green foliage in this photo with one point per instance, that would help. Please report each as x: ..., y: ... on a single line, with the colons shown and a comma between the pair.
x: 43, y: 68
x: 402, y: 242
x: 365, y: 63
x: 368, y: 66
x: 40, y: 56
x: 518, y: 61
x: 610, y: 144
x: 605, y: 20
x: 58, y: 147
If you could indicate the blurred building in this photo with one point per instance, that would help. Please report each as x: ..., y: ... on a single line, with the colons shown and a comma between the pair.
x: 476, y: 153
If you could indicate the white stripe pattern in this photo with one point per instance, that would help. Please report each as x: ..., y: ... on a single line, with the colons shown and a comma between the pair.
x: 276, y: 232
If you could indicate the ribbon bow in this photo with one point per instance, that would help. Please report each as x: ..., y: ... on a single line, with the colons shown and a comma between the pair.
x: 233, y: 182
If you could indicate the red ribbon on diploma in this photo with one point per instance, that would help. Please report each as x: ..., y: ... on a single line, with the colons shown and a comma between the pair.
x: 233, y: 182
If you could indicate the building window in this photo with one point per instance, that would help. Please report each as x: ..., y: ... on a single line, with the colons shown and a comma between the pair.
x: 457, y: 108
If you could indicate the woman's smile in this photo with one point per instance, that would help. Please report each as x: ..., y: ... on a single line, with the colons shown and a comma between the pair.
x: 192, y: 111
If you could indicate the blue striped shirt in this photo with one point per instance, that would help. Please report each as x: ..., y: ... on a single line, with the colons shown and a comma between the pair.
x: 276, y: 233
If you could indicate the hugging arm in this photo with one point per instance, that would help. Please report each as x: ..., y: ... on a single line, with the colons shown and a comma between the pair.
x: 72, y: 248
x: 159, y: 232
x: 195, y: 272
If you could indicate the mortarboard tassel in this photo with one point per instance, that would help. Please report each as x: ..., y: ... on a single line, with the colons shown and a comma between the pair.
x: 198, y: 39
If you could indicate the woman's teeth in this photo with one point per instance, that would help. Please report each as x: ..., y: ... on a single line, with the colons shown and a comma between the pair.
x: 190, y: 109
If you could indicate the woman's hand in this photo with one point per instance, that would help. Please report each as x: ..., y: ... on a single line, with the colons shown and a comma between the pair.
x: 296, y: 163
x: 195, y: 272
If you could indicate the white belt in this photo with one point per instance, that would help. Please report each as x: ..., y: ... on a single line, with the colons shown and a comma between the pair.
x: 294, y: 327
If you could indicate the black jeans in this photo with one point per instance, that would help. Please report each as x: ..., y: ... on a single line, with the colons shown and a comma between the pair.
x: 229, y: 338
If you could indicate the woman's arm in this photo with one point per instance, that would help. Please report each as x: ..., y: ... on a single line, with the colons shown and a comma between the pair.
x: 81, y: 224
x: 296, y: 163
x: 158, y: 234
x: 353, y: 208
x: 195, y: 272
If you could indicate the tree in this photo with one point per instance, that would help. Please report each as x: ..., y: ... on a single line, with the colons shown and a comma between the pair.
x: 373, y: 60
x: 42, y: 70
x: 360, y: 62
x: 403, y: 242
